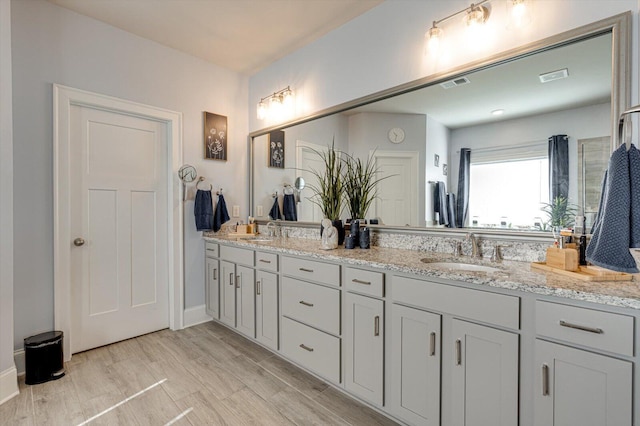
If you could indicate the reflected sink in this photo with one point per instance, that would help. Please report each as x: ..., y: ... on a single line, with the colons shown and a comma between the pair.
x: 257, y: 239
x: 460, y: 266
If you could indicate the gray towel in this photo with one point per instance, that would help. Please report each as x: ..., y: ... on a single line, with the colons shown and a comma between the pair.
x: 634, y: 181
x: 203, y: 210
x: 611, y: 239
x: 440, y: 203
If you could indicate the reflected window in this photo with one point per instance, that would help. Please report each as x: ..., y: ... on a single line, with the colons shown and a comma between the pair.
x: 508, y: 190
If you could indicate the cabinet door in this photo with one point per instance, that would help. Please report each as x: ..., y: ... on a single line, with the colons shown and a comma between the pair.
x: 364, y: 343
x: 267, y: 309
x: 228, y: 293
x: 576, y: 387
x: 415, y: 360
x: 245, y: 301
x: 212, y: 287
x: 485, y: 376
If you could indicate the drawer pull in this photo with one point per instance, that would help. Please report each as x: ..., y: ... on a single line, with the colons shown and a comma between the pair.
x: 264, y: 261
x: 581, y: 327
x: 357, y: 281
x: 237, y: 281
x: 545, y: 379
x: 258, y: 287
x: 231, y: 278
x: 302, y: 302
x: 305, y: 347
x: 376, y: 325
x: 306, y: 270
x: 215, y: 274
x: 458, y: 352
x: 432, y: 343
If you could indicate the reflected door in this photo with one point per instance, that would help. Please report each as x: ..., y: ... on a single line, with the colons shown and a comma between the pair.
x: 397, y: 200
x: 307, y: 159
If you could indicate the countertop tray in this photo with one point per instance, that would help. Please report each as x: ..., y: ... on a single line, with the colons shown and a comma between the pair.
x: 585, y: 273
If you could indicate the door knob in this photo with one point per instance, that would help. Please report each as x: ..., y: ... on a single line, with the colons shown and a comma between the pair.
x: 78, y: 242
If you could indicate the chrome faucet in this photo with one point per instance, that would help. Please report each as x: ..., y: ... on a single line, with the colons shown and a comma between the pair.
x: 271, y: 229
x: 475, y: 252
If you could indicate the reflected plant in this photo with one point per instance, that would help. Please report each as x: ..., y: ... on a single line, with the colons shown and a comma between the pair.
x: 360, y: 181
x: 561, y: 213
x: 329, y: 188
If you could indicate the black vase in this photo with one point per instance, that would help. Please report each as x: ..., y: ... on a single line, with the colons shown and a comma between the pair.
x: 355, y: 228
x: 365, y: 238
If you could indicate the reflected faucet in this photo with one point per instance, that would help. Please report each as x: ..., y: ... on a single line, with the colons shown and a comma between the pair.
x: 271, y: 229
x: 475, y: 252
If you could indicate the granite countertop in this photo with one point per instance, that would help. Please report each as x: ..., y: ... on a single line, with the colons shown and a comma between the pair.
x: 513, y: 275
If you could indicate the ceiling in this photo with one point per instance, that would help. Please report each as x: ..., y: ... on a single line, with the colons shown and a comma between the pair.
x: 241, y: 35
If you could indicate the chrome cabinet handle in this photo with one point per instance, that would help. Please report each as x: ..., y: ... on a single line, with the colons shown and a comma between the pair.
x: 78, y: 242
x: 305, y: 347
x: 302, y: 302
x: 432, y: 343
x: 458, y: 352
x: 231, y: 278
x: 376, y: 325
x: 264, y: 261
x: 215, y: 274
x: 237, y: 281
x: 305, y: 270
x: 357, y: 281
x: 545, y: 379
x: 595, y: 330
x: 258, y: 287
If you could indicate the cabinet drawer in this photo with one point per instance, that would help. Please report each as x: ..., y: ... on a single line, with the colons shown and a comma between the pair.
x: 366, y: 282
x: 498, y: 309
x: 582, y: 326
x: 237, y: 255
x: 313, y: 349
x: 211, y: 249
x: 312, y: 304
x: 267, y: 261
x: 325, y: 273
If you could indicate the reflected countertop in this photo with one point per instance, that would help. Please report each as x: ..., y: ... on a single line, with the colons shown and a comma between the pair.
x: 513, y: 275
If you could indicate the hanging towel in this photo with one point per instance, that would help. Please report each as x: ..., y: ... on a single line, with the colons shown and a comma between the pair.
x: 634, y: 182
x: 289, y: 207
x: 451, y: 207
x: 203, y: 210
x: 440, y: 203
x: 275, y: 210
x: 221, y: 215
x: 611, y: 239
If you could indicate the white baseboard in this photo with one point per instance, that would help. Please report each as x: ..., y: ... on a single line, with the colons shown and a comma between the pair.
x: 18, y: 359
x: 8, y: 384
x: 195, y: 315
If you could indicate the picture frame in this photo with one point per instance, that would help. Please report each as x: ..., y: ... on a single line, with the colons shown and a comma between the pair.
x: 445, y: 169
x: 436, y: 160
x: 276, y: 149
x: 215, y: 136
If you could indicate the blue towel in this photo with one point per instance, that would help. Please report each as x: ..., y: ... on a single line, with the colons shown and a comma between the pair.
x: 289, y: 207
x: 275, y: 210
x: 440, y: 203
x: 611, y: 239
x: 451, y: 207
x: 221, y: 215
x: 203, y: 211
x: 634, y: 181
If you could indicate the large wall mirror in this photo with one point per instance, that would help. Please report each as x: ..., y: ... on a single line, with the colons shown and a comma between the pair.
x: 504, y: 110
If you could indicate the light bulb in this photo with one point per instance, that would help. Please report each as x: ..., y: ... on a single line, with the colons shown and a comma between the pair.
x: 434, y: 36
x: 519, y: 13
x: 262, y: 110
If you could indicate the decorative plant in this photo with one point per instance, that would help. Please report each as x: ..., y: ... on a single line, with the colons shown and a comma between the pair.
x: 360, y: 182
x: 328, y: 189
x: 561, y: 213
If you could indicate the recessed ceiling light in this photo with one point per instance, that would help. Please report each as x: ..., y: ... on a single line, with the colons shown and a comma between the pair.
x: 497, y: 112
x: 554, y: 75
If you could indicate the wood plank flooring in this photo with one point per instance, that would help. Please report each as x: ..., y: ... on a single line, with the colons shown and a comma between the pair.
x: 203, y: 375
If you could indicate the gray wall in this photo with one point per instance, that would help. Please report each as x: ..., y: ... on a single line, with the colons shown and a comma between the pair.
x: 54, y: 45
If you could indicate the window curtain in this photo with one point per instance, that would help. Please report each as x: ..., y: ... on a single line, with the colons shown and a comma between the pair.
x: 558, y: 167
x: 462, y: 210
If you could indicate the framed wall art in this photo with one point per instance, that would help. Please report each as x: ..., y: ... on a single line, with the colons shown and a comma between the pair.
x: 276, y: 149
x: 215, y: 136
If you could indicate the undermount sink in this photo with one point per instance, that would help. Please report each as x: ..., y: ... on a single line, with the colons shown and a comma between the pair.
x: 460, y: 266
x: 258, y: 239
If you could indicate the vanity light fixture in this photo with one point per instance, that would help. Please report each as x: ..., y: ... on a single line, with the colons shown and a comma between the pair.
x: 275, y: 104
x: 519, y: 12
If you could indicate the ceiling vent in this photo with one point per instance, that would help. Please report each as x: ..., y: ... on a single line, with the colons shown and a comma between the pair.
x: 554, y: 75
x: 453, y: 83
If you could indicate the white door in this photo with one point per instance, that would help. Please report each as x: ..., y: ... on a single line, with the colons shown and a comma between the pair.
x: 307, y: 159
x: 118, y: 205
x: 397, y: 200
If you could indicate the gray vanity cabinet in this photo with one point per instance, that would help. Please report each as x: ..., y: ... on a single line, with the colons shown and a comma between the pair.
x: 484, y: 388
x: 212, y: 280
x: 228, y: 293
x: 416, y: 353
x: 237, y: 300
x: 267, y: 309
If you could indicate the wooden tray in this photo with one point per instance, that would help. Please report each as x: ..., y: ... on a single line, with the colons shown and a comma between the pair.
x: 585, y: 273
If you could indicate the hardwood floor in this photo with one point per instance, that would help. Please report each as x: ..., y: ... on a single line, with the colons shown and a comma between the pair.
x: 203, y: 375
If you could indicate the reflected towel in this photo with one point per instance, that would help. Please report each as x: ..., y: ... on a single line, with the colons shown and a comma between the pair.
x: 221, y: 215
x: 451, y: 207
x: 634, y: 183
x: 289, y: 207
x: 611, y: 239
x: 203, y: 211
x: 440, y: 203
x: 274, y: 213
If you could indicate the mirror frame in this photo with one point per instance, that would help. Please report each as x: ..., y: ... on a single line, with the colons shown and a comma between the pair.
x: 618, y: 25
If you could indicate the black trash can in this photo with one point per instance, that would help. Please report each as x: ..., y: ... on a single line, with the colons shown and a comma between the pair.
x: 44, y: 359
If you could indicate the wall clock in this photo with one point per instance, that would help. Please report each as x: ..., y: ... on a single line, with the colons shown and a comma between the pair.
x: 396, y: 135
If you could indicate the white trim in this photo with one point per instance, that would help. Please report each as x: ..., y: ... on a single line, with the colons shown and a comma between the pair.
x: 63, y: 98
x: 196, y: 315
x: 19, y: 361
x: 8, y: 384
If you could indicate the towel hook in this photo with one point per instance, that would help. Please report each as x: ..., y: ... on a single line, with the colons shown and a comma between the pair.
x: 274, y: 194
x: 201, y: 179
x: 622, y: 123
x: 219, y: 192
